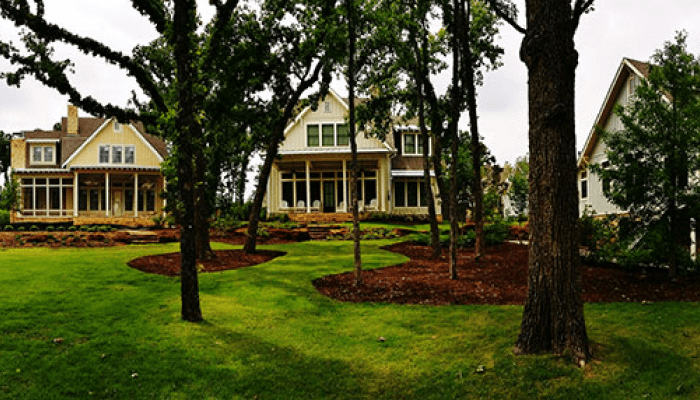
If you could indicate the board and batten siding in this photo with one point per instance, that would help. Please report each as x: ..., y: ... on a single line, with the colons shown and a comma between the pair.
x: 596, y: 203
x: 126, y: 136
x: 335, y: 113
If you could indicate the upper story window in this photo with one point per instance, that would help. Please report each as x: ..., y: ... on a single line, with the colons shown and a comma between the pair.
x: 327, y: 106
x: 413, y: 144
x: 104, y: 154
x: 129, y: 155
x: 117, y: 126
x: 327, y: 135
x: 584, y: 184
x: 117, y: 154
x: 43, y: 154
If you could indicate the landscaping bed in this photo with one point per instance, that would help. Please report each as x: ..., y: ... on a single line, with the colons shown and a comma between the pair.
x: 169, y: 264
x: 78, y: 238
x: 501, y: 278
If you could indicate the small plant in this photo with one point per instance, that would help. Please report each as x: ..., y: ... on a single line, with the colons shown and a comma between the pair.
x: 72, y: 228
x: 50, y: 228
x: 9, y: 228
x: 33, y: 228
x: 104, y: 228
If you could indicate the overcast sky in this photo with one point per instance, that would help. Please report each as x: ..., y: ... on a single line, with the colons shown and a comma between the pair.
x: 616, y: 29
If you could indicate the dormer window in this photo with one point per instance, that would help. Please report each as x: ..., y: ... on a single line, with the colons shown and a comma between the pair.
x: 412, y: 144
x: 43, y: 154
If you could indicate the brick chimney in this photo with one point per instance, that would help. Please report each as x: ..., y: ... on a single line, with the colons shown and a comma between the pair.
x: 72, y: 128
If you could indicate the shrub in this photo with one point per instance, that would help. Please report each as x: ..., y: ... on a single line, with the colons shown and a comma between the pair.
x: 50, y: 228
x: 72, y: 228
x: 9, y: 228
x: 33, y: 228
x: 4, y: 217
x: 104, y: 228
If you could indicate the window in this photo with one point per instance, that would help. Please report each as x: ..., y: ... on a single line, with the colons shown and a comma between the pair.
x: 413, y: 144
x: 43, y: 154
x: 409, y: 144
x: 343, y: 135
x: 36, y: 154
x: 48, y: 154
x: 312, y: 135
x: 327, y: 107
x: 104, y: 154
x: 129, y: 155
x: 117, y: 126
x: 328, y: 133
x: 409, y: 193
x: 584, y: 185
x: 117, y: 152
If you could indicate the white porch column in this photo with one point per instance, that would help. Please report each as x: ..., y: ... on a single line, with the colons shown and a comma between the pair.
x: 107, y: 195
x: 308, y: 186
x: 136, y: 195
x: 345, y: 186
x: 76, y: 177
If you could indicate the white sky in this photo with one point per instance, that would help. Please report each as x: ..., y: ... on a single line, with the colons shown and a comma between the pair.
x: 616, y: 29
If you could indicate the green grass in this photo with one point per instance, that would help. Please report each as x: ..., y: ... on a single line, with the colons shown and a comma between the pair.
x: 269, y: 335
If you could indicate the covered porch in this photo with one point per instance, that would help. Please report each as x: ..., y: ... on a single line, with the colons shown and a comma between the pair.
x: 87, y: 196
x: 316, y: 185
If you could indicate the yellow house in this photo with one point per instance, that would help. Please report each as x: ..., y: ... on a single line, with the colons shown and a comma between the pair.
x: 312, y: 172
x: 92, y: 171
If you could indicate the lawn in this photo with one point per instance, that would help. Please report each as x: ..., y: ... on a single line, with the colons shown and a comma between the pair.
x: 78, y: 323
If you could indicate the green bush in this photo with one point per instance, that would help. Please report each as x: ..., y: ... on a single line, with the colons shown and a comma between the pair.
x: 33, y: 228
x: 4, y: 217
x: 72, y: 228
x: 50, y: 228
x: 9, y: 228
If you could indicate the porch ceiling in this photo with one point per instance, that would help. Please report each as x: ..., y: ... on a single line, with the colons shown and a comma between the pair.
x: 324, y: 165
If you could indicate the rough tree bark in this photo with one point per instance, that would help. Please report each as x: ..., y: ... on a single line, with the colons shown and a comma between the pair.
x: 553, y: 318
x: 185, y: 23
x: 454, y: 132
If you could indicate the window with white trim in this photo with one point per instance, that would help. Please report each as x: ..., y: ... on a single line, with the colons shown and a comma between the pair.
x: 413, y: 144
x: 104, y: 154
x: 117, y: 154
x: 129, y: 155
x: 117, y: 126
x: 43, y: 154
x: 409, y: 192
x: 327, y: 135
x: 584, y: 184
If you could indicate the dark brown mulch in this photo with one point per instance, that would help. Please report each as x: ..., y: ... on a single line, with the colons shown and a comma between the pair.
x: 501, y: 278
x: 169, y: 264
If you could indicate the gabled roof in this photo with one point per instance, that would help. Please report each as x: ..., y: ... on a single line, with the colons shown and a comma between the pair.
x: 76, y: 144
x: 87, y: 128
x: 307, y: 109
x: 627, y: 68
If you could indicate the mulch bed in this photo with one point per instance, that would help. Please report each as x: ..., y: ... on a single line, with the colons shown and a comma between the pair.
x: 169, y: 264
x: 501, y: 278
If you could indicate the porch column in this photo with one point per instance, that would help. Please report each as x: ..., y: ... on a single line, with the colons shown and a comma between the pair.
x: 345, y: 186
x: 76, y: 176
x: 107, y: 194
x: 308, y: 186
x: 136, y: 195
x: 165, y: 200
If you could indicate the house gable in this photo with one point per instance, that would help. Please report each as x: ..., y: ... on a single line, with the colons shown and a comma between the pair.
x: 119, y: 140
x: 330, y: 114
x: 618, y: 93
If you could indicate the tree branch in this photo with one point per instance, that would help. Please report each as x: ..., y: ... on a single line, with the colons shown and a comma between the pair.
x: 507, y: 15
x: 155, y: 11
x: 48, y: 32
x: 580, y: 7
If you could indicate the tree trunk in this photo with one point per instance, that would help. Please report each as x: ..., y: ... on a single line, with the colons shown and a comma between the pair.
x: 254, y: 218
x: 436, y: 121
x: 184, y: 23
x: 202, y: 208
x: 353, y: 143
x: 422, y: 74
x: 553, y: 318
x: 454, y: 114
x: 477, y: 189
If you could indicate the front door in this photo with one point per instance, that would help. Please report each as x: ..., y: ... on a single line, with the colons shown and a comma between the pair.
x: 328, y: 197
x: 117, y: 207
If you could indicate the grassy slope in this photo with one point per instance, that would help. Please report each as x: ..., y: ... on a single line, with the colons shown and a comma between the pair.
x: 269, y: 334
